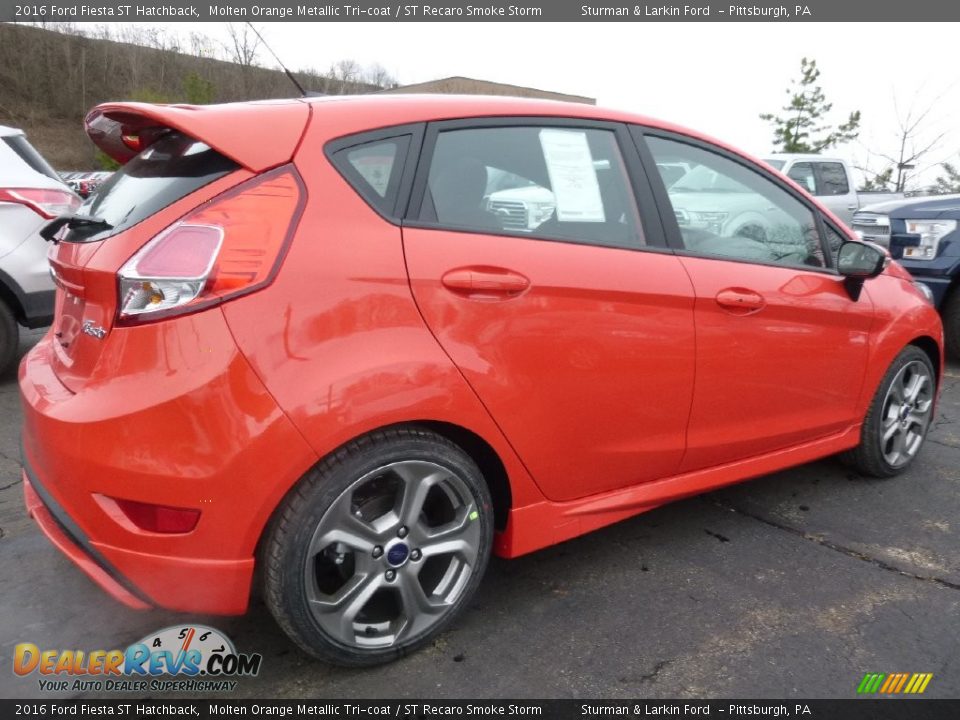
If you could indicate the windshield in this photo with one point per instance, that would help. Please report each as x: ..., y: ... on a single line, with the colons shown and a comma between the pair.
x: 703, y: 179
x: 171, y: 168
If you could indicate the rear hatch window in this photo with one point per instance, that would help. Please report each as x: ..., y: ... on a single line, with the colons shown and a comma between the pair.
x: 171, y: 168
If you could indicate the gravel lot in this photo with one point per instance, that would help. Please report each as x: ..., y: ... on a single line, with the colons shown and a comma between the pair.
x: 793, y: 585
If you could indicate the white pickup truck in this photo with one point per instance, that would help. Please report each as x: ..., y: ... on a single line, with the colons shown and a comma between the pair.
x: 830, y: 180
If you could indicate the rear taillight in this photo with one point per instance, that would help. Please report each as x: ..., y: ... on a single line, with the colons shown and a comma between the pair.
x: 45, y: 203
x: 230, y: 246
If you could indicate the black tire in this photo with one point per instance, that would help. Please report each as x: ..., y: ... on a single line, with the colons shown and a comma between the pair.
x: 9, y: 338
x: 288, y: 564
x: 951, y: 324
x: 869, y: 458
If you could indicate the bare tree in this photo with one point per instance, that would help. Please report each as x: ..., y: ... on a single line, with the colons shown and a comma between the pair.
x: 378, y: 75
x: 244, y: 44
x: 913, y: 141
x: 345, y: 74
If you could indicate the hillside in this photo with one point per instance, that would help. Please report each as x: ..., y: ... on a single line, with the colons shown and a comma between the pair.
x: 48, y: 81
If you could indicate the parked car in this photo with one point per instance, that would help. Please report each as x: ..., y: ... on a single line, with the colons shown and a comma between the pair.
x: 830, y: 180
x: 84, y: 183
x: 323, y: 360
x: 922, y: 234
x: 31, y: 194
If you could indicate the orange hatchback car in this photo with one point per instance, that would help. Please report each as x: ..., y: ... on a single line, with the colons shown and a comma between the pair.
x: 360, y: 344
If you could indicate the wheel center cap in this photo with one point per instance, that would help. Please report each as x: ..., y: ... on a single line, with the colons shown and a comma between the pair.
x: 397, y: 554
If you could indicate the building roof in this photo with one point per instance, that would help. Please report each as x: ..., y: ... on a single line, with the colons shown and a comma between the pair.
x: 459, y: 85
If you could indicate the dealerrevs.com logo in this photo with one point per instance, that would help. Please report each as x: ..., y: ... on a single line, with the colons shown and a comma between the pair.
x: 176, y: 659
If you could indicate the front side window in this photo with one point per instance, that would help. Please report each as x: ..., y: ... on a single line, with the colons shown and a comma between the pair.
x: 550, y: 182
x: 802, y: 174
x: 724, y: 209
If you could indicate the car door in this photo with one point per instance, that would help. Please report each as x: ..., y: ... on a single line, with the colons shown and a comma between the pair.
x: 781, y: 346
x: 535, y: 268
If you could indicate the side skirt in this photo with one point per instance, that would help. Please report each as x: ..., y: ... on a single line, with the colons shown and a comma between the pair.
x: 546, y: 523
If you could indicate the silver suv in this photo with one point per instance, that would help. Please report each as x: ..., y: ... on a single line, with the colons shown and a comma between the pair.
x: 31, y: 194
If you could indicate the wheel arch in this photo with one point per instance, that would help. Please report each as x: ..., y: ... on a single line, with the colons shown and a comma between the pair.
x: 477, y: 448
x: 483, y: 454
x: 932, y: 350
x: 10, y: 298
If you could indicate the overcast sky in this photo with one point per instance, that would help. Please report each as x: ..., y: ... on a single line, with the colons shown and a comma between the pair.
x: 714, y: 77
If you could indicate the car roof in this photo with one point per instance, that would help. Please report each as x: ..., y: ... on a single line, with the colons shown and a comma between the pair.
x: 426, y: 107
x: 387, y: 109
x: 5, y: 131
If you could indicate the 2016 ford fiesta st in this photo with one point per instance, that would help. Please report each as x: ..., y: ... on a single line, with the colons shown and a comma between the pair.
x: 360, y: 344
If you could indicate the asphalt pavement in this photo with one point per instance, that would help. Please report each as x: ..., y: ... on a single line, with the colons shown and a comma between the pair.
x: 791, y: 585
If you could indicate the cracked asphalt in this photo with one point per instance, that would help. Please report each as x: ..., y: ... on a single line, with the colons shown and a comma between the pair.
x: 791, y: 585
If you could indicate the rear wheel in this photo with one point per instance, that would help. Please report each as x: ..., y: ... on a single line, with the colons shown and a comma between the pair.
x: 378, y: 548
x: 899, y: 417
x: 9, y: 338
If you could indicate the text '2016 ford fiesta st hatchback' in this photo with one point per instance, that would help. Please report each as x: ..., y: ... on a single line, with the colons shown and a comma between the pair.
x: 360, y: 344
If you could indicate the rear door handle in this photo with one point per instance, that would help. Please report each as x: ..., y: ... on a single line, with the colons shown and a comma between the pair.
x: 740, y: 301
x: 485, y: 282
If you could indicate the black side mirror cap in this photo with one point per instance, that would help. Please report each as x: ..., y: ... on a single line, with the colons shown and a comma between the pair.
x: 858, y: 262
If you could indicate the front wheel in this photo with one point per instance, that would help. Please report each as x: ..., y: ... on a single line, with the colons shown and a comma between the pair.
x: 378, y: 548
x: 898, y: 418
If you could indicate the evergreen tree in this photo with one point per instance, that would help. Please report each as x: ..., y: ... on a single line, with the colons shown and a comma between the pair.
x: 802, y: 127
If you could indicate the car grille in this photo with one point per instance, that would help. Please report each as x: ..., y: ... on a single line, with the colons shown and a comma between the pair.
x: 873, y: 227
x: 512, y: 214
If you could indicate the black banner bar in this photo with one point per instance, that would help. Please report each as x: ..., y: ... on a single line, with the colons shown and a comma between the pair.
x: 852, y: 709
x: 858, y: 11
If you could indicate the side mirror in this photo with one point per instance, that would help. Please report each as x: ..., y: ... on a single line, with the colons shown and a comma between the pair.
x: 857, y: 262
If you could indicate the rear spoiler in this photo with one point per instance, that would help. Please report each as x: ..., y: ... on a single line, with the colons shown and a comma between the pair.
x: 256, y: 135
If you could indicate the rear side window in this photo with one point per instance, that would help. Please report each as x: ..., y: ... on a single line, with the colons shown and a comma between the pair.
x: 171, y: 168
x: 557, y: 183
x: 27, y: 153
x: 374, y: 169
x: 833, y: 179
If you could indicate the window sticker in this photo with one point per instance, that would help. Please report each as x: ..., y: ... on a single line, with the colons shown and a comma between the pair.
x: 374, y: 164
x: 572, y: 175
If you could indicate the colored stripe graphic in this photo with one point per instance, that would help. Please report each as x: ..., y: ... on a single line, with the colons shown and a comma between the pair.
x: 894, y: 683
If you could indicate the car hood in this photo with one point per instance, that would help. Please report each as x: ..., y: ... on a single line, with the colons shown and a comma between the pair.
x: 534, y: 193
x: 918, y: 208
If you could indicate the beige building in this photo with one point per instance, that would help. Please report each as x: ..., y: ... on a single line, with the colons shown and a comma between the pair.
x: 471, y: 86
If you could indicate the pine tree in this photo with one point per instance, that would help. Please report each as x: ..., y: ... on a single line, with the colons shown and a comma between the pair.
x: 949, y: 183
x: 799, y: 129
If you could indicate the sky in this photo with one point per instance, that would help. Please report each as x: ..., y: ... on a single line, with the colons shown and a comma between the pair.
x: 713, y: 77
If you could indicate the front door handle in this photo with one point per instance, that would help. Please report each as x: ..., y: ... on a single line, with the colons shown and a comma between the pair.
x: 485, y: 283
x: 740, y: 301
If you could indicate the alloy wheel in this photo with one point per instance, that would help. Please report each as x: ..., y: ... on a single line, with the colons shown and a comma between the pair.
x: 392, y: 554
x: 906, y: 413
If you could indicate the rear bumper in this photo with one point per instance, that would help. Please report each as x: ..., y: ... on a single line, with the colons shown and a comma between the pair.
x: 210, y: 440
x: 64, y: 534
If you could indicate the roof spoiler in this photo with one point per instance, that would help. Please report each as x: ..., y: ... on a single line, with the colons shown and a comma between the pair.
x: 236, y: 130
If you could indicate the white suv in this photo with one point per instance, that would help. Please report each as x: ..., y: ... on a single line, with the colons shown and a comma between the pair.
x: 31, y: 194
